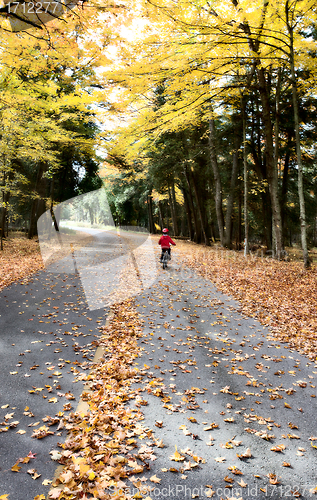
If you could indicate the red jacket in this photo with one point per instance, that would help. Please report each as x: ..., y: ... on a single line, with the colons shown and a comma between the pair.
x: 165, y: 241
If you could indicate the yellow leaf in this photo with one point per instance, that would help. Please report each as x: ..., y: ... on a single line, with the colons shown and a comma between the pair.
x: 16, y: 467
x: 84, y: 469
x: 278, y: 448
x: 138, y: 496
x: 155, y: 479
x: 211, y: 427
x: 209, y: 493
x: 242, y: 484
x: 177, y: 457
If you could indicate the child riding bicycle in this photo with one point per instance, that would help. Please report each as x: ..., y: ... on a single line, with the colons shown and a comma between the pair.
x: 165, y: 241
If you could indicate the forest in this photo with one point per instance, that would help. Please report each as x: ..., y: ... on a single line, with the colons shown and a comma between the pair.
x: 195, y: 115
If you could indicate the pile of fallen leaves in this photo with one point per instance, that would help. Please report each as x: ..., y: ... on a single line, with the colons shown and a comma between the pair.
x: 281, y: 295
x: 20, y: 258
x: 102, y: 450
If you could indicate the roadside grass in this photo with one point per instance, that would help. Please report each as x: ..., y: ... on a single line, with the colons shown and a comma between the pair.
x: 280, y: 294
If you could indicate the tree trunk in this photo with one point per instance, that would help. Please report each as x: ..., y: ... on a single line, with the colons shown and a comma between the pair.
x: 194, y: 212
x: 150, y: 212
x: 234, y: 175
x: 161, y: 214
x: 238, y: 244
x: 277, y: 118
x: 36, y: 209
x: 3, y: 217
x: 284, y: 193
x: 174, y: 208
x: 173, y: 215
x: 217, y: 179
x: 302, y: 209
x: 206, y: 240
x: 272, y: 176
x: 188, y: 214
x: 245, y: 180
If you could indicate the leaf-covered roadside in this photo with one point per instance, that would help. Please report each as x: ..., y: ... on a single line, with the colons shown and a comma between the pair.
x: 279, y: 294
x: 102, y: 448
x: 20, y: 258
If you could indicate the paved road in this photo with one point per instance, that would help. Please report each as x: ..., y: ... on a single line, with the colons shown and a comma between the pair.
x: 46, y: 330
x: 214, y: 363
x: 44, y: 327
x: 217, y: 365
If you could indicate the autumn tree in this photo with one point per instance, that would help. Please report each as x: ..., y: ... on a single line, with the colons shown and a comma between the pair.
x: 49, y: 130
x: 208, y: 55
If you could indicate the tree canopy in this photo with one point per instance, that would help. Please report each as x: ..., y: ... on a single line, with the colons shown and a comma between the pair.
x: 205, y: 112
x: 195, y: 63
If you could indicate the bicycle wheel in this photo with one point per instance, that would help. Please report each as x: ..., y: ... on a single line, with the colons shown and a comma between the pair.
x: 165, y: 259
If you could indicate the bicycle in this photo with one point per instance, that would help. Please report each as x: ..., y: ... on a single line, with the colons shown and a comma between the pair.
x: 166, y: 257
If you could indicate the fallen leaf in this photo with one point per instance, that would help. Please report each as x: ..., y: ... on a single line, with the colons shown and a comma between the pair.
x: 211, y: 426
x: 155, y: 479
x: 246, y: 454
x: 16, y: 467
x: 228, y: 479
x: 278, y: 448
x: 242, y: 483
x: 46, y: 482
x: 209, y: 493
x: 54, y: 493
x: 55, y: 455
x: 273, y: 479
x: 177, y: 457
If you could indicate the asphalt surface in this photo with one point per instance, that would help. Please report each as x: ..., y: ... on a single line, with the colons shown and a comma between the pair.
x: 217, y: 365
x: 214, y: 364
x: 49, y: 325
x: 46, y: 330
